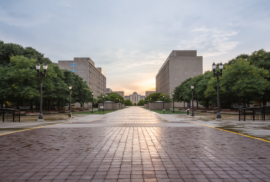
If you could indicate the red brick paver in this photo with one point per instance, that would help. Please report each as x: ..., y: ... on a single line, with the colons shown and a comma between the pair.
x: 132, y: 154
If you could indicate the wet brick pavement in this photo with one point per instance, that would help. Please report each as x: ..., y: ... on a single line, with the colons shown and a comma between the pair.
x: 136, y: 154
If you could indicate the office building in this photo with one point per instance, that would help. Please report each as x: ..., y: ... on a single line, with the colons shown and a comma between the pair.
x: 179, y: 66
x: 85, y: 68
x: 108, y: 91
x: 135, y: 97
x: 147, y: 93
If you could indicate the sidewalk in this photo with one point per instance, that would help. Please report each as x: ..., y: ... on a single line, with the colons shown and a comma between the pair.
x: 260, y: 129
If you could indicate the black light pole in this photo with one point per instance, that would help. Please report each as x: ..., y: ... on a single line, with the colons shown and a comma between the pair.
x: 218, y: 74
x: 92, y: 102
x: 41, y: 75
x: 103, y: 104
x: 173, y: 101
x: 70, y: 88
x: 192, y: 114
x: 163, y: 104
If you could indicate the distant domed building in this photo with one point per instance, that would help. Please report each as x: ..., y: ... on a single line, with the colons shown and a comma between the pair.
x: 135, y: 97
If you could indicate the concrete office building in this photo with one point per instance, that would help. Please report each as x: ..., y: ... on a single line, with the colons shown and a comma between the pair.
x: 179, y: 66
x: 85, y: 68
x: 121, y: 93
x: 135, y: 97
x: 147, y: 93
x: 108, y: 91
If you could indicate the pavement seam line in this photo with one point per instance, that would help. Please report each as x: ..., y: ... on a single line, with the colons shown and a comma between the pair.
x: 28, y: 129
x: 225, y: 130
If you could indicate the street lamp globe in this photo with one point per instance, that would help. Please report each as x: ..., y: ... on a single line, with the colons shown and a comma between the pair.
x: 214, y: 66
x: 220, y: 66
x: 38, y: 66
x: 70, y: 87
x: 92, y: 93
x: 45, y: 66
x: 192, y: 87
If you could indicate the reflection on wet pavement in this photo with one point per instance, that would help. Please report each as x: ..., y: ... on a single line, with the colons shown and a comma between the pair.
x: 142, y: 153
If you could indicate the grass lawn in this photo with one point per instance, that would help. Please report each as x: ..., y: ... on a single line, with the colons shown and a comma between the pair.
x: 168, y: 112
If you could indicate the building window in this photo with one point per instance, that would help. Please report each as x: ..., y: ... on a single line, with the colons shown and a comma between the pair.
x: 73, y: 65
x: 73, y: 70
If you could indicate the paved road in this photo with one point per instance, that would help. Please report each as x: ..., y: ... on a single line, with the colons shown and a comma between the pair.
x: 132, y: 145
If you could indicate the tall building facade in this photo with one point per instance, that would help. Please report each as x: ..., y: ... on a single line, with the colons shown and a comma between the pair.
x: 147, y: 93
x: 121, y: 93
x: 179, y: 66
x: 108, y: 91
x: 135, y: 97
x: 85, y: 68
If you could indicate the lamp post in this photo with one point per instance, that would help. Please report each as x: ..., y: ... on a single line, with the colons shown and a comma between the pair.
x: 173, y: 101
x: 192, y: 114
x: 116, y: 101
x: 218, y: 74
x: 92, y: 102
x: 41, y: 75
x: 70, y: 88
x: 120, y: 103
x: 163, y: 104
x: 103, y: 104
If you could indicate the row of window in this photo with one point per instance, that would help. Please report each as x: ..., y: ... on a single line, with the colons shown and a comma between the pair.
x: 73, y: 70
x: 73, y: 64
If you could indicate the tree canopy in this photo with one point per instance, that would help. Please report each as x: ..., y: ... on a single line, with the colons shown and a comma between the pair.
x: 115, y: 97
x: 245, y: 78
x: 157, y: 97
x: 20, y: 85
x: 128, y: 102
x: 140, y: 103
x: 8, y: 50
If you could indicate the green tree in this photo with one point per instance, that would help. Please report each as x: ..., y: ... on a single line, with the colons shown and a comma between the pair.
x: 20, y: 80
x: 141, y: 103
x: 261, y: 59
x: 115, y: 97
x: 241, y: 82
x: 183, y: 92
x: 8, y: 50
x: 166, y: 97
x: 153, y: 96
x: 58, y: 93
x: 128, y: 102
x: 200, y: 83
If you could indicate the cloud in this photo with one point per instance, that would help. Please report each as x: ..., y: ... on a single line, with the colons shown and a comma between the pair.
x: 211, y: 42
x: 130, y: 59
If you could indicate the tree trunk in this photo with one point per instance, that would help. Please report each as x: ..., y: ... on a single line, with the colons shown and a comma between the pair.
x: 1, y: 104
x: 48, y: 105
x: 197, y: 104
x: 184, y: 105
x: 264, y: 101
x: 31, y: 105
x: 36, y: 105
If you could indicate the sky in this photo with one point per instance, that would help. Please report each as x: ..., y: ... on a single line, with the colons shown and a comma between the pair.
x: 131, y: 40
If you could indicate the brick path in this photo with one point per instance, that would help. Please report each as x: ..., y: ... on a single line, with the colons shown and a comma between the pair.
x: 149, y: 154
